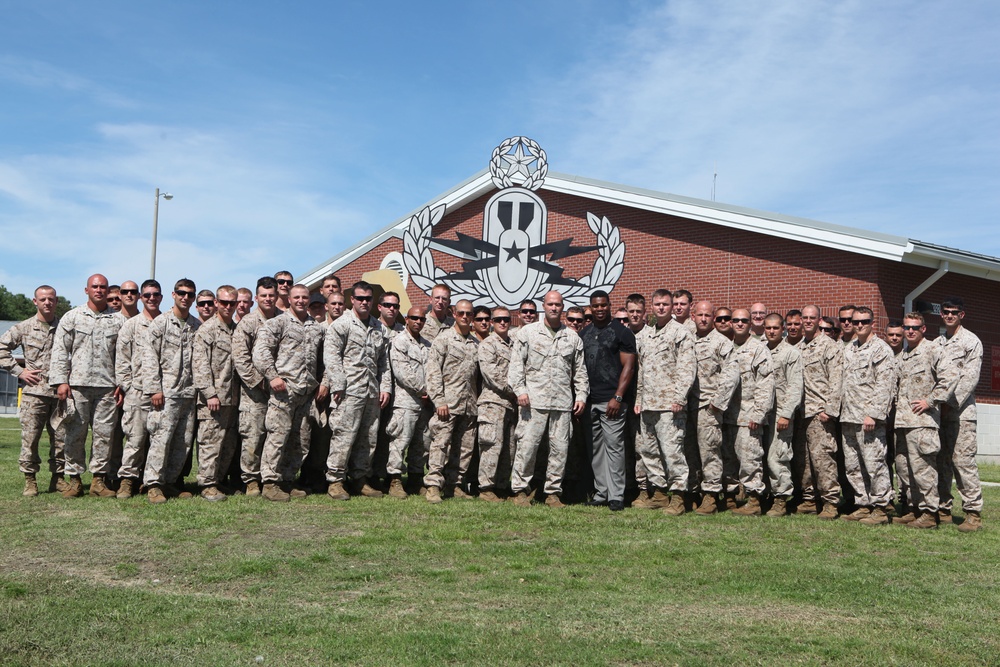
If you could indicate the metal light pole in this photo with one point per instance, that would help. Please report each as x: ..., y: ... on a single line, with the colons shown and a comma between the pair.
x: 156, y: 215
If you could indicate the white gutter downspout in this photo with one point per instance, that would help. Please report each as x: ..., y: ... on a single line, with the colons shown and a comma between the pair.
x: 933, y: 278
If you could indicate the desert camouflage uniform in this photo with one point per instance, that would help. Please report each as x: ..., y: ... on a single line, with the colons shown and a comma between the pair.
x: 751, y: 403
x: 958, y: 424
x: 253, y: 395
x: 899, y: 473
x: 869, y: 375
x: 633, y: 437
x: 357, y: 364
x: 167, y: 367
x: 667, y: 367
x: 132, y: 340
x: 433, y: 326
x: 410, y: 412
x: 291, y: 350
x: 924, y: 374
x: 497, y: 415
x: 717, y: 379
x: 816, y: 443
x: 83, y: 356
x: 548, y: 366
x: 787, y: 363
x: 380, y: 457
x: 214, y: 377
x: 38, y: 402
x: 452, y: 373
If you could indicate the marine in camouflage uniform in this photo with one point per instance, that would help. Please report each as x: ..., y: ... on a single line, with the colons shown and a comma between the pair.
x: 957, y: 459
x: 357, y: 369
x: 217, y: 385
x: 168, y: 379
x: 452, y: 372
x: 131, y: 350
x: 748, y: 412
x: 926, y: 380
x: 780, y: 426
x: 496, y: 409
x: 37, y: 412
x: 288, y: 353
x: 253, y: 387
x: 411, y: 409
x: 82, y: 368
x: 549, y: 377
x: 869, y: 375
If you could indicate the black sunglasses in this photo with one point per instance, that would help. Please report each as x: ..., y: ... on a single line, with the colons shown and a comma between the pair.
x: 205, y: 304
x: 502, y: 320
x: 723, y: 318
x: 129, y: 291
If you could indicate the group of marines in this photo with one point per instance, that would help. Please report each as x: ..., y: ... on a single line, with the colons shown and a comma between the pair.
x: 688, y: 408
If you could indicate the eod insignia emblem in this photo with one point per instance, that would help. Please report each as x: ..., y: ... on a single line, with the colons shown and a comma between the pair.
x: 511, y: 264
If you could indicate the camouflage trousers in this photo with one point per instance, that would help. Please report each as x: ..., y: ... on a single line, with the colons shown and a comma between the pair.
x: 37, y: 414
x: 452, y: 443
x: 287, y: 442
x: 778, y: 450
x: 217, y: 441
x: 633, y: 461
x: 958, y: 460
x: 815, y: 460
x: 920, y: 448
x: 117, y: 445
x: 743, y: 461
x: 707, y: 430
x: 496, y: 445
x: 407, y: 431
x: 355, y: 436
x: 661, y: 447
x: 253, y: 414
x: 171, y: 435
x: 89, y: 408
x: 864, y: 464
x: 531, y: 428
x: 134, y: 417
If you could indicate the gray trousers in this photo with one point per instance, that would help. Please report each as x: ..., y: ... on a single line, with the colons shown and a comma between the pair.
x: 605, y: 438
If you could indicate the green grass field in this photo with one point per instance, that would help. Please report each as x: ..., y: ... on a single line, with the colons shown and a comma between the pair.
x: 384, y: 582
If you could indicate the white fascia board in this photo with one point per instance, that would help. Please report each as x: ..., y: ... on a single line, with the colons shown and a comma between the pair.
x: 796, y: 229
x: 959, y: 261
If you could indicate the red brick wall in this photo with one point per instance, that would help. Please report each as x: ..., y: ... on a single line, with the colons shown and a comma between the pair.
x: 727, y: 266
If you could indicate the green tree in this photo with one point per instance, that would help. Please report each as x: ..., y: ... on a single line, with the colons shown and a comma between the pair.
x: 18, y: 307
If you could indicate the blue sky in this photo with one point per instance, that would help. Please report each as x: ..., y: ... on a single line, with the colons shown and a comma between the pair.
x: 288, y: 133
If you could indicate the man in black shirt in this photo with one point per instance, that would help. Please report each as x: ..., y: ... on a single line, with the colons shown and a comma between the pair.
x: 610, y: 354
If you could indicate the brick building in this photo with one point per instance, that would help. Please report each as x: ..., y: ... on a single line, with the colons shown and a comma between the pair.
x: 730, y: 255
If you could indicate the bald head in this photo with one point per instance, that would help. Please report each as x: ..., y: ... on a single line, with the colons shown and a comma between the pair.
x: 97, y: 292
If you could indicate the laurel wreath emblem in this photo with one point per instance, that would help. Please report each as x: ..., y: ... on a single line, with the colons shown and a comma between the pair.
x: 501, y: 176
x: 419, y: 261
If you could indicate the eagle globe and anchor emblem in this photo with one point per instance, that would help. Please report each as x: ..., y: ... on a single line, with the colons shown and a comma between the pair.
x: 515, y: 261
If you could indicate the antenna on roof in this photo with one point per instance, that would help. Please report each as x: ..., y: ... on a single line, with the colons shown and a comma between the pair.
x: 715, y: 177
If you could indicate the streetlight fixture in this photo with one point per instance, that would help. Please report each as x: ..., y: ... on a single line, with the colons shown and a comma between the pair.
x: 156, y: 215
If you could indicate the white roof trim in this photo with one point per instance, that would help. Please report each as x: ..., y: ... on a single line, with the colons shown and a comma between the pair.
x: 803, y: 230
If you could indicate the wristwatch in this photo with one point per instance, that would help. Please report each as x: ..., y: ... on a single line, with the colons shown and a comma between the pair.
x: 620, y: 399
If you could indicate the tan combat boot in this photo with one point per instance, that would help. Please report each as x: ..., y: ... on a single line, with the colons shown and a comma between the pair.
x: 552, y: 500
x: 779, y: 507
x: 125, y: 489
x: 30, y: 485
x: 297, y: 491
x: 676, y: 505
x: 522, y: 499
x: 857, y: 515
x: 925, y: 520
x: 74, y: 488
x: 433, y: 495
x: 829, y: 512
x: 212, y: 494
x: 642, y: 501
x: 806, y: 507
x: 877, y: 517
x: 274, y: 492
x: 369, y: 491
x: 750, y: 508
x: 909, y: 517
x: 156, y: 496
x: 730, y: 502
x: 489, y: 496
x: 99, y: 489
x: 944, y: 516
x: 57, y: 484
x: 253, y: 488
x: 396, y: 489
x: 660, y: 500
x: 459, y: 492
x: 337, y: 492
x: 973, y: 522
x: 708, y: 505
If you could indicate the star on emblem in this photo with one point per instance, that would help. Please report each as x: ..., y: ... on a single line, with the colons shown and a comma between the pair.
x: 514, y: 252
x: 518, y: 162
